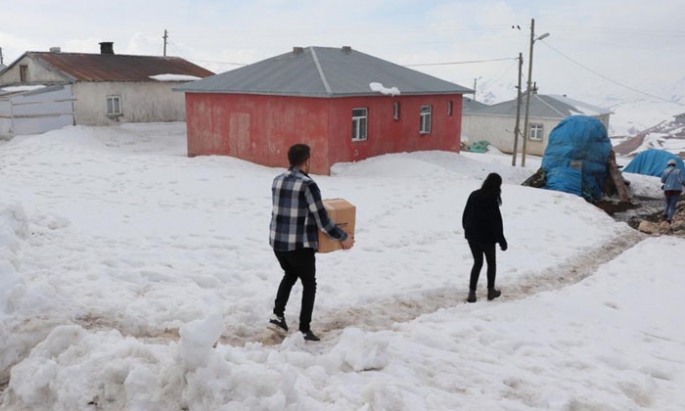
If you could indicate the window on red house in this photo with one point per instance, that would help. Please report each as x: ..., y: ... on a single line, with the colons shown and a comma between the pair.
x: 425, y: 125
x: 359, y: 124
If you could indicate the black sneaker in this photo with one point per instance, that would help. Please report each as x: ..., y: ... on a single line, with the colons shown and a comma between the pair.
x: 472, y: 296
x: 492, y: 294
x: 277, y: 323
x: 310, y: 336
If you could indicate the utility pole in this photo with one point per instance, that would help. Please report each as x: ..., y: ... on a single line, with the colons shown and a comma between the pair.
x: 530, y: 74
x: 526, y: 127
x: 165, y: 37
x: 1, y: 59
x: 517, y: 131
x: 475, y: 81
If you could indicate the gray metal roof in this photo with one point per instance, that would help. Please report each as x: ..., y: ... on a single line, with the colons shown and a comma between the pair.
x: 472, y: 106
x: 322, y: 72
x: 545, y: 106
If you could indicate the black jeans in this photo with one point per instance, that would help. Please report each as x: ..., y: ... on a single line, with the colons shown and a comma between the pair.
x: 297, y: 264
x: 478, y: 250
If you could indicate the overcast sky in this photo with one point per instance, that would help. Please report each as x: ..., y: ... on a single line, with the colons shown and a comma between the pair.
x: 607, y: 46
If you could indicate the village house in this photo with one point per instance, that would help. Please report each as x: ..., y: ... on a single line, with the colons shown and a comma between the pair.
x: 42, y: 91
x: 346, y: 105
x: 495, y: 124
x: 679, y: 118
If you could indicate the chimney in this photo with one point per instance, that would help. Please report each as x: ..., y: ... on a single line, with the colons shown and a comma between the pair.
x: 347, y: 49
x: 298, y: 50
x: 107, y: 47
x: 55, y: 50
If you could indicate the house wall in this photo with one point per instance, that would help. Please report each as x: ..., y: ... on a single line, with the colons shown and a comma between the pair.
x: 5, y: 119
x: 499, y: 131
x: 261, y: 128
x: 257, y: 128
x: 140, y: 102
x: 35, y: 113
x: 387, y: 135
x: 37, y: 73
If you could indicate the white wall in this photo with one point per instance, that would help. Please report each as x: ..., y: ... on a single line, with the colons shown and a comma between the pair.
x: 37, y: 73
x: 499, y: 131
x: 36, y: 112
x: 140, y: 102
x: 5, y: 118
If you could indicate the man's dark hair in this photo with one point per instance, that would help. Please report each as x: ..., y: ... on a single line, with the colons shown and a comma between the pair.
x: 298, y: 154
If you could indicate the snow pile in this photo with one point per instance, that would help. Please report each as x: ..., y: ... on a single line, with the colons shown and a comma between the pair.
x: 378, y: 87
x: 14, y: 89
x: 13, y: 229
x: 174, y: 77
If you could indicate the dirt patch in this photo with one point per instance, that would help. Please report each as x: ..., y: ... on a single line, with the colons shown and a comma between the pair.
x: 653, y: 214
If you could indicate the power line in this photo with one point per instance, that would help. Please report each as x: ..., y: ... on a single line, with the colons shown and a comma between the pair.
x: 456, y: 62
x: 222, y: 62
x: 507, y: 70
x: 405, y: 65
x: 616, y: 30
x: 609, y: 79
x: 344, y: 30
x: 180, y: 53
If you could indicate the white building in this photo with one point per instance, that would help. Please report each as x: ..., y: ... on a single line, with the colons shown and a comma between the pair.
x: 495, y: 124
x: 42, y: 91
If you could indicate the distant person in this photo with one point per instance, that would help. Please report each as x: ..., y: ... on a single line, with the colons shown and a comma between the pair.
x: 672, y: 185
x: 298, y: 214
x: 482, y: 222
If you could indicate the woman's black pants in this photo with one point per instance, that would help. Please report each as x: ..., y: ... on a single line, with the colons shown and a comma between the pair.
x: 478, y: 251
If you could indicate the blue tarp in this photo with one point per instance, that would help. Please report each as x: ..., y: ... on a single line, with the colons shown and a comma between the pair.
x: 566, y: 179
x: 578, y: 143
x: 653, y: 162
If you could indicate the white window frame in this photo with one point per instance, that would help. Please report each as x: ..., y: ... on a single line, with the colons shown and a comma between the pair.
x: 114, y: 105
x: 536, y: 132
x: 396, y: 110
x: 425, y: 120
x: 360, y: 124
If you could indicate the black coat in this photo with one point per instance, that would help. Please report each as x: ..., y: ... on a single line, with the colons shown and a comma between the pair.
x: 482, y: 220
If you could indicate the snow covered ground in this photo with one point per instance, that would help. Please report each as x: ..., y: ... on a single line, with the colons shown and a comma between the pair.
x: 135, y: 278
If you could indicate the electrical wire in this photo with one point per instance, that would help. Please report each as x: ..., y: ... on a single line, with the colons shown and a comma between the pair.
x: 457, y: 62
x: 609, y: 79
x: 222, y: 62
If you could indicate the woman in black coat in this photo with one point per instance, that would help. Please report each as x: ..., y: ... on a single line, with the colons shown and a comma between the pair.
x: 482, y: 222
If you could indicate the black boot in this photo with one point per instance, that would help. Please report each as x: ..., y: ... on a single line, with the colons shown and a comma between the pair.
x: 472, y: 296
x: 492, y: 293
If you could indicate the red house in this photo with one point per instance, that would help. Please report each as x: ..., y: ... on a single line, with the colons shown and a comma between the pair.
x: 346, y: 105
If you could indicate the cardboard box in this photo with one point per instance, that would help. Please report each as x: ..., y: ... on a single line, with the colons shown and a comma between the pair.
x: 342, y: 213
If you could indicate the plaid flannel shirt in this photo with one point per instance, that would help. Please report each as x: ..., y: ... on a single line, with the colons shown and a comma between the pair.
x: 298, y: 213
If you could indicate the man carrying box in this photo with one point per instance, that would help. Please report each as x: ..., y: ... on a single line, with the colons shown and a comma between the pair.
x: 297, y: 216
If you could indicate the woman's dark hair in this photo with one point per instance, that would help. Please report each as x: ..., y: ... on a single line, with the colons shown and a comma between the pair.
x: 298, y: 154
x: 492, y: 187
